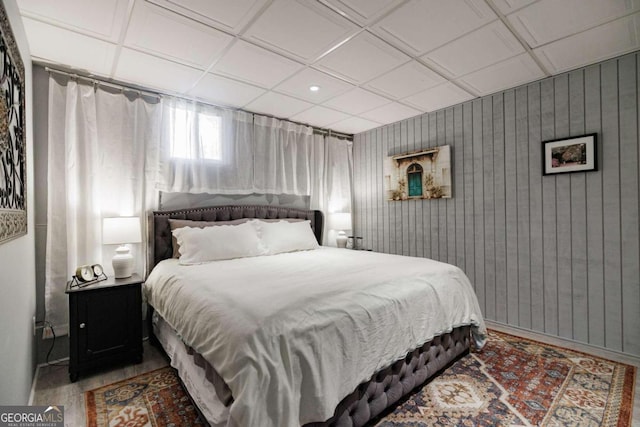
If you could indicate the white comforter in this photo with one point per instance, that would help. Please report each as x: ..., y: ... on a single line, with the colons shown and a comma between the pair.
x: 293, y: 334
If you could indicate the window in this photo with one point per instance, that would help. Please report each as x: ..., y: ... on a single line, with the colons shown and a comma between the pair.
x: 195, y: 135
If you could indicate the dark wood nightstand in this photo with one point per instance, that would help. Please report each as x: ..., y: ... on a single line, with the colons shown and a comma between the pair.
x: 105, y: 324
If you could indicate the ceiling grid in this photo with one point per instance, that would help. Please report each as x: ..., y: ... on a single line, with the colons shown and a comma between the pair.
x: 375, y: 61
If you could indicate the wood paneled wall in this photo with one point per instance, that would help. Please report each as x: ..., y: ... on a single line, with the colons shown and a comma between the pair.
x: 556, y: 254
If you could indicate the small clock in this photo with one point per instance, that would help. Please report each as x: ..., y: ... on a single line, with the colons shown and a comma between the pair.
x: 84, y: 273
x: 97, y: 270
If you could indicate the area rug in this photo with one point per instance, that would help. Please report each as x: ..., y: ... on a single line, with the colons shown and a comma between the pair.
x: 512, y: 382
x: 519, y: 382
x: 155, y: 398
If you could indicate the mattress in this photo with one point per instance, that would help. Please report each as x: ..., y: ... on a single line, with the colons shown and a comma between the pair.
x: 293, y: 334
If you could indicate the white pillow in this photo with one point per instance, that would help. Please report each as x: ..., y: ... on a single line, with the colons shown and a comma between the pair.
x: 284, y: 236
x: 179, y: 223
x: 200, y: 245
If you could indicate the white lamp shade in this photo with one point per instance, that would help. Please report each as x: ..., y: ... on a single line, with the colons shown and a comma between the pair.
x: 116, y: 231
x: 340, y: 221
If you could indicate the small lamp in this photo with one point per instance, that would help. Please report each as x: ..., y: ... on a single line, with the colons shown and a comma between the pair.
x: 341, y: 222
x: 120, y: 231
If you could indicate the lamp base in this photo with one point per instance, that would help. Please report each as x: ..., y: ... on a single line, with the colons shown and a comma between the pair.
x: 122, y: 263
x: 341, y: 239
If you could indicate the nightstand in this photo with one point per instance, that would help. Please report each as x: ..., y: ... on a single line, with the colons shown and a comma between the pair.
x: 105, y: 324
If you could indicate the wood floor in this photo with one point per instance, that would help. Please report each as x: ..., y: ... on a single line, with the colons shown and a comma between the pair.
x: 52, y: 385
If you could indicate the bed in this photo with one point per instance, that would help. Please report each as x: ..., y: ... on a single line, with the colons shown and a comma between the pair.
x: 318, y: 337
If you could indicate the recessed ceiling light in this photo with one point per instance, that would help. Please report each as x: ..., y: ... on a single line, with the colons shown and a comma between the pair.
x: 314, y: 88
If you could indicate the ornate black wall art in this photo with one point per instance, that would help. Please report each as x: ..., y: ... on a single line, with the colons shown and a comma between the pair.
x: 13, y: 153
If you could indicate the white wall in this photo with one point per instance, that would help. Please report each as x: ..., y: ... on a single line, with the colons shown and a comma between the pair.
x: 17, y: 267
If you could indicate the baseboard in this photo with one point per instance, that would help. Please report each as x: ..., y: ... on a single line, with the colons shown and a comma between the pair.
x: 33, y: 385
x: 53, y: 362
x: 606, y: 353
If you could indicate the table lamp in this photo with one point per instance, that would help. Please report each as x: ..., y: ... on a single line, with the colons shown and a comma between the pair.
x: 120, y: 231
x: 341, y: 222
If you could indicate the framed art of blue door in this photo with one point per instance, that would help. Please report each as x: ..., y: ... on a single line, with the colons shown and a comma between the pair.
x: 414, y: 179
x: 418, y: 175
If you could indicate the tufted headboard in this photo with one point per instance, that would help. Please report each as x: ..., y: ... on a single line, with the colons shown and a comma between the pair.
x: 160, y: 232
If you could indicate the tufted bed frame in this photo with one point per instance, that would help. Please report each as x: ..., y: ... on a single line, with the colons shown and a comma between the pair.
x: 370, y: 399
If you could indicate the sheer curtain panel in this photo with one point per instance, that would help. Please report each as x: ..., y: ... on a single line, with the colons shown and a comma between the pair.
x: 332, y: 180
x: 103, y: 150
x: 338, y: 173
x: 283, y: 155
x: 205, y: 149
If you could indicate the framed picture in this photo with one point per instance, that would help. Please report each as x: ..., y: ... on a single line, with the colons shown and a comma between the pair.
x: 577, y: 154
x: 419, y: 175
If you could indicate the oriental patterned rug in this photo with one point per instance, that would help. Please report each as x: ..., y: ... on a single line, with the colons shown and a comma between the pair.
x: 155, y: 398
x: 519, y: 382
x: 512, y: 382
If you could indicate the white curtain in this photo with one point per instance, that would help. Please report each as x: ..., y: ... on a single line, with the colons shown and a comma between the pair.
x: 332, y: 180
x: 102, y: 162
x: 185, y: 164
x: 247, y: 154
x: 283, y: 155
x: 338, y: 173
x: 317, y: 192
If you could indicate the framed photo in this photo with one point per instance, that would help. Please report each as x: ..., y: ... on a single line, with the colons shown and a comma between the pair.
x: 577, y: 154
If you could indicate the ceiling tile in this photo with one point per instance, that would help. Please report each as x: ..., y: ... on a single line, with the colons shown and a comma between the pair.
x: 354, y: 125
x: 153, y: 72
x: 600, y: 43
x: 549, y: 20
x: 390, y: 113
x: 408, y: 79
x: 163, y: 33
x: 102, y: 19
x: 298, y: 86
x: 508, y: 6
x: 441, y: 96
x: 362, y: 58
x: 488, y: 45
x: 302, y: 28
x: 363, y: 11
x: 504, y: 75
x: 224, y: 14
x: 275, y: 104
x: 423, y: 25
x: 319, y: 116
x: 68, y: 48
x: 289, y: 45
x: 224, y: 91
x: 357, y: 101
x: 253, y: 64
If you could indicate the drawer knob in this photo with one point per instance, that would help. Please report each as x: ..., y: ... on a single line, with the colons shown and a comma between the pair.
x: 82, y: 325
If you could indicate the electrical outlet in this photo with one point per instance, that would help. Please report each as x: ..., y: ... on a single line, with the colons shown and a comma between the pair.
x: 47, y: 332
x: 33, y: 323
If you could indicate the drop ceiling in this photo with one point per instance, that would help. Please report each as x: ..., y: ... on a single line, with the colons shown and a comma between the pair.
x: 375, y: 61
